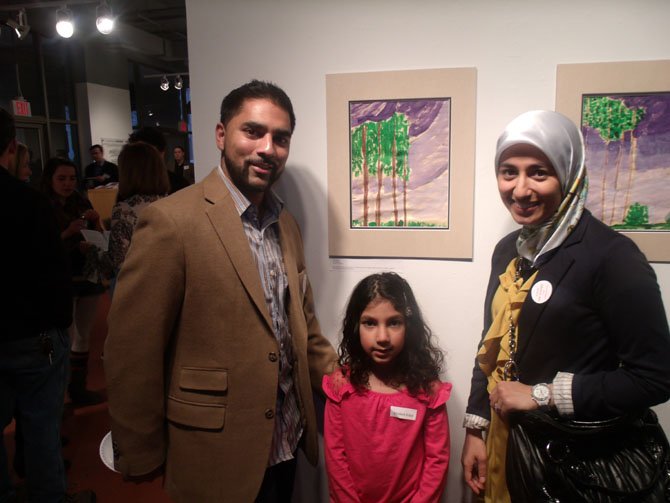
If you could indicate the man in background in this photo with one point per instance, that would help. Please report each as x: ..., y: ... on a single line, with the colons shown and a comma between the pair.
x: 100, y: 171
x: 214, y: 347
x: 181, y: 167
x: 35, y: 311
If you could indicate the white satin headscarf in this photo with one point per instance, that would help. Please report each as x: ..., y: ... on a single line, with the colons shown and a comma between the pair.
x: 562, y: 142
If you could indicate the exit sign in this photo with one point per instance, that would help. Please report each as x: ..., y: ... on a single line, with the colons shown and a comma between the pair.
x: 22, y: 108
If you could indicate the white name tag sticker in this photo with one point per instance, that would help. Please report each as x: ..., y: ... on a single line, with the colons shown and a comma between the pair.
x: 541, y: 291
x: 403, y: 413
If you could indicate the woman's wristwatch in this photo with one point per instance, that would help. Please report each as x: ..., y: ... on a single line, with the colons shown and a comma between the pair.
x: 541, y: 395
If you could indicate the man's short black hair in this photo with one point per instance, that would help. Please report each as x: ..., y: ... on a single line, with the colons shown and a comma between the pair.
x: 7, y: 129
x: 97, y: 145
x: 149, y: 135
x: 180, y: 148
x: 256, y: 89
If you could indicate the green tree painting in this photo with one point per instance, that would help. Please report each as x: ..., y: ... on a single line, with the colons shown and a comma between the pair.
x: 386, y: 190
x: 628, y: 158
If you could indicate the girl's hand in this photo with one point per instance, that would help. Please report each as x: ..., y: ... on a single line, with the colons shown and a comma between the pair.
x: 474, y: 460
x: 509, y: 396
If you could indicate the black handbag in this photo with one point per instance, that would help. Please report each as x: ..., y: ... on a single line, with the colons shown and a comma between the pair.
x: 552, y: 460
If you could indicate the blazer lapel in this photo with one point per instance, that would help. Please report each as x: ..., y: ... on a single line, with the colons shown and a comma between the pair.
x: 227, y: 224
x: 553, y: 272
x: 287, y: 244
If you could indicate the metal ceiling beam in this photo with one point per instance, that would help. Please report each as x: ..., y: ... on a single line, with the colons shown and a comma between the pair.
x: 49, y: 4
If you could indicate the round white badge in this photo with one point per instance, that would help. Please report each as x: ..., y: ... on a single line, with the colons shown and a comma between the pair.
x: 541, y: 291
x: 107, y: 452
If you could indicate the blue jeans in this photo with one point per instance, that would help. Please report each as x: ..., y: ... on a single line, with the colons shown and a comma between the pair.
x: 34, y: 385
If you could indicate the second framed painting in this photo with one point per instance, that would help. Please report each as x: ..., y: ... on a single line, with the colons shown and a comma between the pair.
x: 401, y: 150
x: 623, y: 109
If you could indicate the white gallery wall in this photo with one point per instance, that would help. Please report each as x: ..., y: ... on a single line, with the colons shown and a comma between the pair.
x: 104, y: 113
x: 515, y: 46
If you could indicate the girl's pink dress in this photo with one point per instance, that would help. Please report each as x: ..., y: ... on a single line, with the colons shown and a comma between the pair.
x: 385, y: 447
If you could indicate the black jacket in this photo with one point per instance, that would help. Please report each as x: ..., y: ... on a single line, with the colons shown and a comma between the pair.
x: 604, y: 322
x: 35, y: 289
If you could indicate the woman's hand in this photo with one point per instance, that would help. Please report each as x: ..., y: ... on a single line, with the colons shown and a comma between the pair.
x: 75, y: 226
x: 474, y: 460
x: 509, y: 396
x: 91, y: 215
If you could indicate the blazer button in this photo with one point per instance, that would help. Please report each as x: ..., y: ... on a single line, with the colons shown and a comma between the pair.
x: 272, y: 356
x: 269, y: 413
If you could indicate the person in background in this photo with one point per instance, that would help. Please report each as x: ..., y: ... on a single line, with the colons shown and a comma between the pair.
x: 574, y: 322
x: 143, y: 179
x: 181, y: 167
x: 35, y: 309
x: 20, y: 167
x: 386, y: 429
x: 74, y: 213
x: 154, y: 137
x: 100, y: 172
x: 214, y: 349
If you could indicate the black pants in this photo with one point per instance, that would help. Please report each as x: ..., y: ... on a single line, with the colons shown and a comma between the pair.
x: 277, y: 486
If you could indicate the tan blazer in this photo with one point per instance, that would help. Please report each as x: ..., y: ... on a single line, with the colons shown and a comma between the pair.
x: 190, y: 358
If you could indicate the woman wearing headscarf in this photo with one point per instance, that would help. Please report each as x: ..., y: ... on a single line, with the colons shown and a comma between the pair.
x: 574, y: 320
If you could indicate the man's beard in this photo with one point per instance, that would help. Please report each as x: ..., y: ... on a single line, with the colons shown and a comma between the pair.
x: 240, y: 175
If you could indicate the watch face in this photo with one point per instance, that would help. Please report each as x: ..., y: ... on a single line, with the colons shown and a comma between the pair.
x: 540, y: 394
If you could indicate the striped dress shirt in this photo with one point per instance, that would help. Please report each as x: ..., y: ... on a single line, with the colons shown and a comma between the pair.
x: 263, y: 237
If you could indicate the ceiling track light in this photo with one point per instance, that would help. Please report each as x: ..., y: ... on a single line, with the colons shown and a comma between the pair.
x: 65, y: 24
x: 178, y: 82
x: 103, y: 18
x: 22, y: 29
x: 165, y: 84
x: 20, y: 26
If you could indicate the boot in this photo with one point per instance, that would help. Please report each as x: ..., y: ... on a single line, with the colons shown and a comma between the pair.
x: 79, y: 395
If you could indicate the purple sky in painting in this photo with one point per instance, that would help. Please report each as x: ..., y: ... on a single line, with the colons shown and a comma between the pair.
x: 421, y: 113
x: 653, y: 132
x: 428, y: 131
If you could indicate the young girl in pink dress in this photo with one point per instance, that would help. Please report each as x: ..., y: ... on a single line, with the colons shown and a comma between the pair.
x: 386, y: 426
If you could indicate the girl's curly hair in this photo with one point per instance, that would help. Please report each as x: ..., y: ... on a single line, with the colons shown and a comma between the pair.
x: 420, y: 361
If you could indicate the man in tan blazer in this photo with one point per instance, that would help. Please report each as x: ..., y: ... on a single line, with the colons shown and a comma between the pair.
x: 214, y: 347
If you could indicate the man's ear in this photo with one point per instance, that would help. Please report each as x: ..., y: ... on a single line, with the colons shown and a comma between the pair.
x: 220, y: 133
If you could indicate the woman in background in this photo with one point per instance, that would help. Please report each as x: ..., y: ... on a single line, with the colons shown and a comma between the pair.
x: 143, y: 179
x: 73, y: 213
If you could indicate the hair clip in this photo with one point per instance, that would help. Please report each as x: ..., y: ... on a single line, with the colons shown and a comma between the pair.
x: 408, y: 311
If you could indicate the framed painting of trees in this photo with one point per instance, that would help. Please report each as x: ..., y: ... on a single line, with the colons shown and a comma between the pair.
x: 401, y: 163
x: 388, y: 188
x: 624, y: 112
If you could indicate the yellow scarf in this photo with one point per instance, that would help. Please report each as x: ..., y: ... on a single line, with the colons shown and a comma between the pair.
x: 492, y: 356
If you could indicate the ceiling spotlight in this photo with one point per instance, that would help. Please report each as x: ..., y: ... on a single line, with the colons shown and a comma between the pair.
x: 178, y: 82
x: 20, y: 26
x: 22, y: 29
x: 104, y: 20
x: 165, y: 84
x: 65, y: 25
